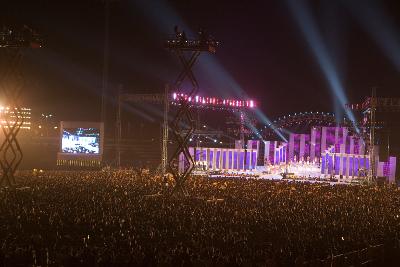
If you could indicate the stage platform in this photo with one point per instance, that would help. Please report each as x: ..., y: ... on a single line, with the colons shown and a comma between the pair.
x: 332, y: 180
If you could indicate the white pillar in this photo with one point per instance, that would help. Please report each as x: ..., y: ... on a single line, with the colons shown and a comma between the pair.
x: 323, y: 140
x: 352, y: 145
x: 302, y: 145
x: 337, y: 129
x: 214, y: 160
x: 291, y: 147
x: 392, y: 169
x: 237, y: 159
x: 341, y: 158
x: 361, y: 146
x: 233, y: 159
x: 223, y: 165
x: 313, y: 141
x: 221, y: 157
x: 345, y: 132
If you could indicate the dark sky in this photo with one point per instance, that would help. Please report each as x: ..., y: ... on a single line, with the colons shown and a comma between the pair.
x: 263, y: 51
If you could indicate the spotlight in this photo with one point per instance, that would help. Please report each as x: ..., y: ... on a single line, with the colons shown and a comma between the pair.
x: 304, y: 18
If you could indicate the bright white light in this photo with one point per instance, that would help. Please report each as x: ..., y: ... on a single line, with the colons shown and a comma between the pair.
x: 81, y: 141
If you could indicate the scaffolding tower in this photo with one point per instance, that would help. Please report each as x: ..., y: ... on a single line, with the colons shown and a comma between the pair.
x: 13, y: 42
x: 183, y: 125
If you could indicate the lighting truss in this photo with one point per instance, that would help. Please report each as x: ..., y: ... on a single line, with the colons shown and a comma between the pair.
x: 207, y: 45
x: 380, y: 103
x: 213, y: 102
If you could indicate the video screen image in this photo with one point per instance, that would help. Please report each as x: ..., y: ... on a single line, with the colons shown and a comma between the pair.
x: 81, y: 140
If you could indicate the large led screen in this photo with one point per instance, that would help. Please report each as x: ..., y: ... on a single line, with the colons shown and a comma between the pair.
x: 80, y: 140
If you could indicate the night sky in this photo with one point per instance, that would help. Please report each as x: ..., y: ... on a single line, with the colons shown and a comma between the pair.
x: 263, y: 54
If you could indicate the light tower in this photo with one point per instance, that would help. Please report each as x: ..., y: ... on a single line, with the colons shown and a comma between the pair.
x: 372, y: 169
x: 371, y: 108
x: 13, y: 43
x: 104, y: 89
x: 183, y: 124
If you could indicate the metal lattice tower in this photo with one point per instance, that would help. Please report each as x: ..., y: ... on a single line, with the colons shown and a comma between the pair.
x: 118, y: 129
x: 164, y: 150
x: 370, y: 107
x: 12, y: 44
x: 183, y: 124
x: 104, y: 88
x: 372, y: 172
x: 242, y: 118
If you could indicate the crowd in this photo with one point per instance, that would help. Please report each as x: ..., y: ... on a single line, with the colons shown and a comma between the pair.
x: 129, y: 219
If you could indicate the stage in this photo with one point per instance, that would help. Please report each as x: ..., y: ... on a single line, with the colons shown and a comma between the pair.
x: 336, y: 180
